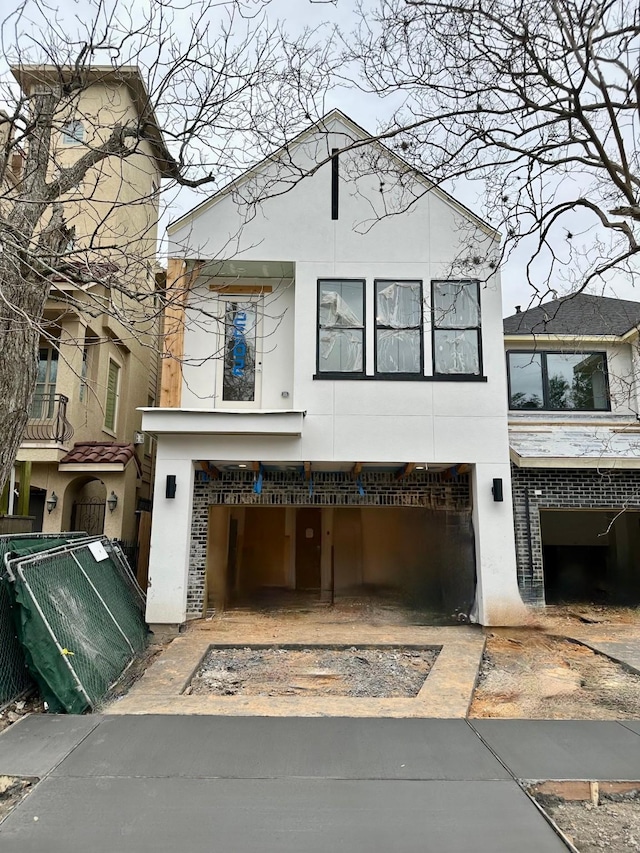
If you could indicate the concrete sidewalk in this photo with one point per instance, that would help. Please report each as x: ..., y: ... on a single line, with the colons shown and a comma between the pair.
x: 131, y: 784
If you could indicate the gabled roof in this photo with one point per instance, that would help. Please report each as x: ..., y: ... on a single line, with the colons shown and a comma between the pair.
x: 580, y: 314
x: 359, y: 133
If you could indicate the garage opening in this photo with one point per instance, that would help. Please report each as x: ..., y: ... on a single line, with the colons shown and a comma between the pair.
x: 274, y: 556
x: 591, y: 556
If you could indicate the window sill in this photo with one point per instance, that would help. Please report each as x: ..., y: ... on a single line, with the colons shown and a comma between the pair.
x: 560, y: 412
x: 401, y: 377
x: 110, y: 432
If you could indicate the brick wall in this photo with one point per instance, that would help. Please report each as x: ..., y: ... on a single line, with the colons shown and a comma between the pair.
x: 561, y: 488
x: 289, y: 488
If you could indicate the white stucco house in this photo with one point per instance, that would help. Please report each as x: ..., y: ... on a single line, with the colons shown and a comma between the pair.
x: 333, y: 416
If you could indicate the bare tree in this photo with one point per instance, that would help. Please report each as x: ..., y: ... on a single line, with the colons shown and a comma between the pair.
x: 538, y: 101
x: 225, y: 88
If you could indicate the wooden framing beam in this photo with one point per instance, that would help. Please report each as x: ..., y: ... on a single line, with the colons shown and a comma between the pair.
x: 356, y: 470
x: 24, y: 470
x: 211, y: 470
x: 179, y: 282
x: 406, y: 470
x: 255, y: 467
x: 244, y: 289
x: 307, y: 470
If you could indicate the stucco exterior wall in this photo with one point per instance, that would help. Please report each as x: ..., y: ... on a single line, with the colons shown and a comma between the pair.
x: 432, y: 420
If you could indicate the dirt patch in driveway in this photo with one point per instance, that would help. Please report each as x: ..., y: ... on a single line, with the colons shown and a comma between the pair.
x: 525, y: 673
x: 366, y: 672
x: 12, y: 790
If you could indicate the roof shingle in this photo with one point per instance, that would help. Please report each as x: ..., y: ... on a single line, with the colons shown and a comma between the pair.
x: 100, y: 453
x: 580, y: 314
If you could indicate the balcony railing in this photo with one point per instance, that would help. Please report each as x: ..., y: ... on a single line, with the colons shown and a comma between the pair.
x: 48, y: 419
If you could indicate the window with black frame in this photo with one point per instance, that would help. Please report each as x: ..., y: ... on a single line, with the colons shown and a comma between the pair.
x: 456, y: 328
x: 398, y: 327
x: 341, y: 326
x: 558, y: 381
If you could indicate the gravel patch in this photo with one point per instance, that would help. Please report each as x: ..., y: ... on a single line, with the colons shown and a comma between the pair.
x: 376, y: 673
x: 612, y: 825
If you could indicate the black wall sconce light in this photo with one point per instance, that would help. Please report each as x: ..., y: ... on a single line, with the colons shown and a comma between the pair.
x: 52, y: 502
x: 112, y: 501
x: 170, y: 491
x: 497, y: 490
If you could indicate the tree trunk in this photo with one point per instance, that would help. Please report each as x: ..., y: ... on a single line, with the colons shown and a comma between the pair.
x: 21, y: 309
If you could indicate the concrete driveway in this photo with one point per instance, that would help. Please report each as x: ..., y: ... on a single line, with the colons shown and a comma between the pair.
x: 167, y: 783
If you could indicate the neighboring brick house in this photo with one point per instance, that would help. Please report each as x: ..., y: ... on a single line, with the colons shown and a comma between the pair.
x: 574, y: 433
x: 83, y: 445
x: 334, y: 421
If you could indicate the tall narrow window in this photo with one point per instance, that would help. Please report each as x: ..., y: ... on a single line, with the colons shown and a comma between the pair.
x: 341, y: 326
x: 44, y: 397
x: 113, y: 392
x: 83, y: 374
x: 456, y: 328
x: 398, y: 327
x: 239, y: 375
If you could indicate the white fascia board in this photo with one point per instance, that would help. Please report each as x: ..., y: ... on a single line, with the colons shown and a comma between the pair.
x: 222, y: 421
x: 562, y: 339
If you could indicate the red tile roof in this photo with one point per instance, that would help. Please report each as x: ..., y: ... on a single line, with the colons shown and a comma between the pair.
x: 100, y: 453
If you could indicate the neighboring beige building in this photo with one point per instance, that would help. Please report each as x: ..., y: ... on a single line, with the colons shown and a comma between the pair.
x: 83, y: 446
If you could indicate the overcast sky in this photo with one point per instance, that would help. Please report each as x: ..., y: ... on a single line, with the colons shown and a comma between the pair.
x: 365, y: 110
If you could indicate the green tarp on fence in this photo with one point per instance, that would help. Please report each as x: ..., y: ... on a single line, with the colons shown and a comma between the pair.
x: 14, y: 672
x: 80, y: 622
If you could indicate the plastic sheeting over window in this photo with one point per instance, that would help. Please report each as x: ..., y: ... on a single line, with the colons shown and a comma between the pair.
x: 398, y: 351
x: 456, y: 321
x: 341, y: 351
x: 456, y: 351
x: 456, y: 304
x: 341, y: 315
x: 399, y: 304
x: 398, y: 326
x: 239, y: 376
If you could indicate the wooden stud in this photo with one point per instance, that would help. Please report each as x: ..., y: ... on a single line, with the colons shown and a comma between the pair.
x: 24, y: 469
x: 179, y: 283
x: 406, y: 470
x: 211, y: 470
x: 575, y: 790
x: 464, y: 469
x: 255, y: 466
x: 307, y: 470
x: 4, y: 499
x: 241, y: 289
x: 356, y: 470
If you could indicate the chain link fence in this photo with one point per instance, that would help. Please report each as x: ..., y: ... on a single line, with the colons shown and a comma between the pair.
x: 80, y: 619
x: 14, y: 673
